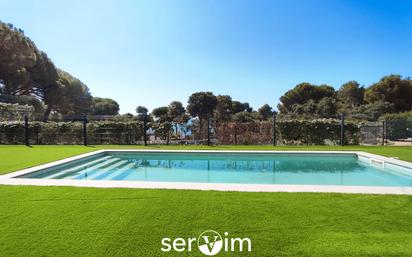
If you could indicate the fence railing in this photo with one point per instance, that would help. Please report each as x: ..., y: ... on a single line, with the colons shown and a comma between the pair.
x: 282, y: 132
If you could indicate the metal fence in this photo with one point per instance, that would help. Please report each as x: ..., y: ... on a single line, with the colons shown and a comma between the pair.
x: 97, y: 131
x: 390, y: 132
x: 398, y: 132
x: 72, y: 130
x: 372, y: 133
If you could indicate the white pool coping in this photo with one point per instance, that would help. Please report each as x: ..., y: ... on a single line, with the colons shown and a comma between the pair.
x: 10, y: 178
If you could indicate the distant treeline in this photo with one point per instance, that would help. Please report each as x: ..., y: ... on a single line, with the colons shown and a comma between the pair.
x: 29, y: 77
x: 392, y: 94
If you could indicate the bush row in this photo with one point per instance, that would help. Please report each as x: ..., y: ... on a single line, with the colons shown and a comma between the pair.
x: 288, y: 132
x: 102, y: 132
x: 15, y: 111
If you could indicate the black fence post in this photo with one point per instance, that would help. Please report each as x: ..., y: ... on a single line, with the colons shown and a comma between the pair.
x: 26, y: 130
x: 411, y: 132
x: 274, y: 128
x: 85, y: 130
x: 208, y: 131
x: 342, y: 129
x: 145, y: 130
x: 383, y: 132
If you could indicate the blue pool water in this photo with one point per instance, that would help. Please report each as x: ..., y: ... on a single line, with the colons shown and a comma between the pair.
x: 246, y: 168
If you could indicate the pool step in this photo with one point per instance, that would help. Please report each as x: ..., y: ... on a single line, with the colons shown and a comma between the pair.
x: 119, y: 171
x: 95, y: 168
x: 78, y: 170
x: 113, y: 167
x: 108, y: 174
x: 63, y: 173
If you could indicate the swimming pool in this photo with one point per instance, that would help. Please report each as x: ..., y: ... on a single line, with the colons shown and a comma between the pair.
x: 257, y: 168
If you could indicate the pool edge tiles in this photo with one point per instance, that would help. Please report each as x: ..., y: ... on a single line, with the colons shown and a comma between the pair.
x: 10, y: 179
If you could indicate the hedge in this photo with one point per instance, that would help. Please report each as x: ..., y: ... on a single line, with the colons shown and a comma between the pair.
x: 15, y: 111
x: 100, y: 132
x: 288, y: 132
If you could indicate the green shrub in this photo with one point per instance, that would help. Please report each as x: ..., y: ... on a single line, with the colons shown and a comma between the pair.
x: 15, y: 112
x: 288, y: 132
x: 99, y: 132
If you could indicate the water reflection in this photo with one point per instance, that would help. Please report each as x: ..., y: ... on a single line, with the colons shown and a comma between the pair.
x: 325, y: 169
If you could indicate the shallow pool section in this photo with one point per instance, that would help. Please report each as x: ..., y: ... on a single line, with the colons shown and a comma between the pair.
x: 243, y: 168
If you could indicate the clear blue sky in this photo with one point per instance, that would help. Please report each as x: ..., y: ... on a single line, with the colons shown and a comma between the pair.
x: 153, y: 52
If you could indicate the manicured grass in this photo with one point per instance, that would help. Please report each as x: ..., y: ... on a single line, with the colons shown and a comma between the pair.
x: 63, y: 221
x: 19, y: 157
x: 69, y: 221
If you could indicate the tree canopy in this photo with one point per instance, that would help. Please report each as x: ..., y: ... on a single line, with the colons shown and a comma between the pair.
x: 161, y: 113
x: 265, y: 112
x: 177, y: 112
x: 392, y: 94
x: 75, y: 96
x: 351, y: 94
x: 105, y: 106
x: 223, y: 108
x: 241, y: 107
x: 141, y: 112
x: 392, y: 89
x: 24, y: 69
x: 307, y: 100
x: 302, y: 94
x: 27, y: 76
x: 202, y: 104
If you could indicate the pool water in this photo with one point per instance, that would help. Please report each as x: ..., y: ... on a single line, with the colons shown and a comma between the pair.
x: 245, y: 168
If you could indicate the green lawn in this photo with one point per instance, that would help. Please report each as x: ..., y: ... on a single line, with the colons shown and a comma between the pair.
x: 62, y: 221
x: 69, y: 221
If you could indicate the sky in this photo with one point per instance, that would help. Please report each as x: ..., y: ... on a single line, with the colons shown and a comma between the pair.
x: 153, y: 52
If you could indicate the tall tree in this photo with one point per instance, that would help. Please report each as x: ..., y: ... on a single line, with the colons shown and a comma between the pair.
x: 44, y: 83
x: 176, y: 111
x: 75, y: 98
x: 351, y: 94
x: 265, y: 112
x: 105, y: 106
x: 302, y: 94
x: 25, y: 70
x: 177, y: 114
x: 201, y: 105
x: 240, y: 107
x: 392, y: 89
x: 18, y: 54
x: 141, y: 112
x: 161, y: 113
x: 163, y: 126
x: 223, y: 108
